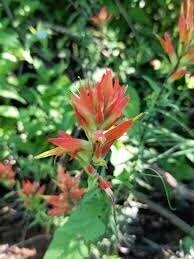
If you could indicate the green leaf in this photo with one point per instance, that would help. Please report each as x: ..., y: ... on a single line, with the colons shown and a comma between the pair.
x: 9, y: 111
x: 151, y: 83
x: 133, y: 107
x: 85, y: 224
x: 11, y: 95
x: 9, y: 39
x: 180, y: 169
x: 138, y: 15
x: 188, y: 244
x: 65, y: 246
x: 88, y: 213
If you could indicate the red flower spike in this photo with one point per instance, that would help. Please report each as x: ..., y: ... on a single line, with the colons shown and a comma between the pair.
x: 31, y: 188
x: 98, y: 109
x: 70, y: 193
x: 101, y: 106
x: 186, y: 21
x: 60, y: 205
x: 7, y: 173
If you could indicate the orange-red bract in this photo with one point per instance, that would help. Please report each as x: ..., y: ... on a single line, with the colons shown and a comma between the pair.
x: 99, y: 107
x: 31, y: 188
x: 70, y: 193
x: 66, y: 144
x: 178, y: 74
x: 186, y: 21
x: 7, y: 173
x: 167, y: 44
x: 101, y: 17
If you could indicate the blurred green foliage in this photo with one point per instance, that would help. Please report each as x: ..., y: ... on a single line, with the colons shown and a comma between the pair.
x: 46, y: 46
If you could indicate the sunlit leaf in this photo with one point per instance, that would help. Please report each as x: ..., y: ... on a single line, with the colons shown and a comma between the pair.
x: 11, y: 95
x: 9, y: 111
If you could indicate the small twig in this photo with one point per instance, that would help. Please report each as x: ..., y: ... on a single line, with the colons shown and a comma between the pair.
x: 162, y: 155
x: 60, y: 29
x: 172, y: 218
x: 179, y: 188
x: 30, y: 242
x: 152, y: 244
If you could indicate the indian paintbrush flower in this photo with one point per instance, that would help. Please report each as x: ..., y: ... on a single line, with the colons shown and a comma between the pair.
x: 101, y: 106
x: 186, y: 22
x: 70, y: 193
x: 184, y: 55
x: 168, y: 47
x: 167, y: 44
x: 30, y: 190
x: 101, y: 17
x: 6, y: 173
x: 99, y: 110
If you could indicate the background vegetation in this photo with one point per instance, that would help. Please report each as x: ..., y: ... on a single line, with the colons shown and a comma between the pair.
x: 47, y: 49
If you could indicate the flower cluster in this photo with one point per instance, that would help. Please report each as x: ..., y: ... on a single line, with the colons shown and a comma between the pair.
x: 69, y: 195
x: 30, y: 190
x: 98, y: 109
x: 184, y: 55
x: 102, y: 17
x: 6, y: 173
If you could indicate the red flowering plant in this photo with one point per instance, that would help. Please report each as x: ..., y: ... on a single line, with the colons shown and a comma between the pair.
x: 99, y: 110
x: 30, y: 191
x: 7, y: 175
x: 182, y: 56
x: 101, y: 17
x: 32, y: 194
x: 69, y: 195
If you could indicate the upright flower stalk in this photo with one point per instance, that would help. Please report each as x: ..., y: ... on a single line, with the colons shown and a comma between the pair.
x: 99, y: 111
x: 182, y: 56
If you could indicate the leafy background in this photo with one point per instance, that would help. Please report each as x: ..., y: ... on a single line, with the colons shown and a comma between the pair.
x: 46, y: 47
